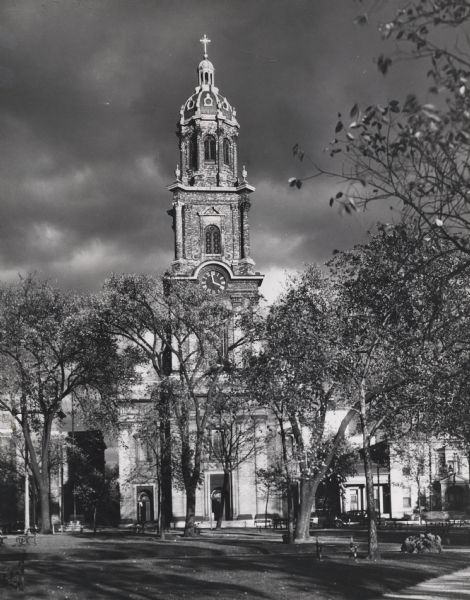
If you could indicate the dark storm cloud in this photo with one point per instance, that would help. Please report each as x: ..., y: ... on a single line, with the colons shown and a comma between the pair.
x: 90, y: 93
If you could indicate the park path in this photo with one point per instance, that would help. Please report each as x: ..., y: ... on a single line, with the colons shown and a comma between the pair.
x: 454, y: 586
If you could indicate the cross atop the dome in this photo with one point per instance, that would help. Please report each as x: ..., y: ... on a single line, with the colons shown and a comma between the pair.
x: 204, y: 41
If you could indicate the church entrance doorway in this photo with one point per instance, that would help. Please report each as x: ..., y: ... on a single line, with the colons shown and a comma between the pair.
x: 145, y: 510
x: 216, y: 481
x: 455, y: 497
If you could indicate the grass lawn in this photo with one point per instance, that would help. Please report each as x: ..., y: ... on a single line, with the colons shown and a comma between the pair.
x: 120, y: 566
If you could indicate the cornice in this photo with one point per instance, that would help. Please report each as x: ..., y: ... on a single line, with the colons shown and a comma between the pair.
x: 243, y: 187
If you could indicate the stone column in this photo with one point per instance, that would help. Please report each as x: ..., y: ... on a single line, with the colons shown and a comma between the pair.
x: 188, y: 224
x: 178, y: 206
x: 183, y: 155
x: 200, y: 151
x: 235, y: 231
x: 245, y: 228
x: 235, y: 157
x: 220, y: 156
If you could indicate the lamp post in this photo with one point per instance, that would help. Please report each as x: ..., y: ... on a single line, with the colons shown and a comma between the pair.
x: 74, y: 495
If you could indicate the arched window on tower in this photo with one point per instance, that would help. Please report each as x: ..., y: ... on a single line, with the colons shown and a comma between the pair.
x: 210, y: 148
x: 226, y: 151
x: 193, y: 152
x: 213, y: 245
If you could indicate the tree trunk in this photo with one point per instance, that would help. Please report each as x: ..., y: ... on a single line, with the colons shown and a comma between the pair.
x: 373, y: 553
x: 190, y: 512
x: 307, y: 505
x: 45, y: 499
x: 267, y: 503
x: 308, y: 489
x: 161, y: 528
x: 290, y: 513
x: 166, y: 507
x: 418, y: 481
x: 40, y: 468
x: 290, y: 495
x: 94, y: 518
x: 227, y: 489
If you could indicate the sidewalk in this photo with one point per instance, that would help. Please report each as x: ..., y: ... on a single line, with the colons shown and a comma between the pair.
x: 454, y: 586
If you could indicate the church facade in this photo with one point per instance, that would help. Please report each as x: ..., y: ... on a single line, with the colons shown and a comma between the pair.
x: 210, y: 221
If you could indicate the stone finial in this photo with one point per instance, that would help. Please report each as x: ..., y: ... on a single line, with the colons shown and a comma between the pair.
x: 244, y: 173
x: 177, y: 173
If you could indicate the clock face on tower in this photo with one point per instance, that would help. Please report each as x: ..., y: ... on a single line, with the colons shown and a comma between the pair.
x: 213, y: 281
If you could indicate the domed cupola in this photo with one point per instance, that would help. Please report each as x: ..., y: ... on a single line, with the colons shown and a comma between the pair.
x: 208, y: 131
x: 206, y: 71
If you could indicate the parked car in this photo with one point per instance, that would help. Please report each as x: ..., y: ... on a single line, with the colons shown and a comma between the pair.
x: 350, y: 518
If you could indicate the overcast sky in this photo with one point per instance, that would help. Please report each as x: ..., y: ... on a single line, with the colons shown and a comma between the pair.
x: 90, y: 92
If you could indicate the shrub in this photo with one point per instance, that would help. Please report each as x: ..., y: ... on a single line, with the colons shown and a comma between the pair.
x: 424, y: 542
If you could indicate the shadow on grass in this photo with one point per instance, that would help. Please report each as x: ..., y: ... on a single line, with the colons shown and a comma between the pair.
x: 260, y: 577
x: 122, y: 582
x: 142, y: 568
x: 341, y: 578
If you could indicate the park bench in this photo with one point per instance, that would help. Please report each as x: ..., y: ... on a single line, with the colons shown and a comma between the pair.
x: 72, y: 526
x: 244, y: 520
x: 280, y: 523
x: 180, y: 522
x: 26, y: 539
x: 2, y: 539
x: 263, y: 521
x: 149, y: 526
x: 13, y: 574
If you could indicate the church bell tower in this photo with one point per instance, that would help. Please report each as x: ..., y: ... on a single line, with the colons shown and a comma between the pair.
x: 210, y: 199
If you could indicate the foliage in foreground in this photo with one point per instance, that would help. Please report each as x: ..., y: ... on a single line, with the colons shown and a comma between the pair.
x: 413, y: 153
x: 52, y: 348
